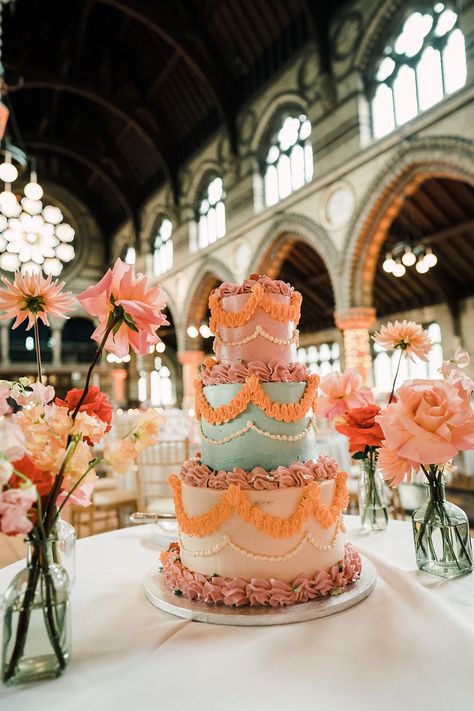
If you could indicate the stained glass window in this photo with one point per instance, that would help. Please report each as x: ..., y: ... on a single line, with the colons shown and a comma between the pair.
x: 211, y: 214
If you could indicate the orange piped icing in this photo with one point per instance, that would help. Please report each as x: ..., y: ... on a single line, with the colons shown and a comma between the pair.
x: 253, y: 392
x: 235, y: 500
x: 258, y: 299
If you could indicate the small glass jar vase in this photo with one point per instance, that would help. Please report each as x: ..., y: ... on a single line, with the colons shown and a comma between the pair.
x: 441, y: 535
x: 373, y: 508
x: 36, y: 617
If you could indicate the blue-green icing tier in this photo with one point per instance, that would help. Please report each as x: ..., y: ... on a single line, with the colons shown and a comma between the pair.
x: 253, y: 449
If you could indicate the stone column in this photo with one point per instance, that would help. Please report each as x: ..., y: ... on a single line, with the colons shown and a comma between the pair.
x: 5, y: 344
x: 119, y: 376
x: 57, y: 325
x: 190, y: 360
x: 355, y: 323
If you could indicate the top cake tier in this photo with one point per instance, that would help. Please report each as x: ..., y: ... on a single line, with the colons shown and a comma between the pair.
x: 255, y: 320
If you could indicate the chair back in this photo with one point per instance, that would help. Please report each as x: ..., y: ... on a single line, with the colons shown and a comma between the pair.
x: 154, y: 465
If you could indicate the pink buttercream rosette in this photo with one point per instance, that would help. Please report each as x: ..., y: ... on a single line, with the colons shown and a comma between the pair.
x: 238, y: 592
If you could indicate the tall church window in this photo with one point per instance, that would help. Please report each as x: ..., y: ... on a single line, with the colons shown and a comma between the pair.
x: 211, y: 213
x: 423, y: 63
x: 289, y: 159
x: 163, y: 247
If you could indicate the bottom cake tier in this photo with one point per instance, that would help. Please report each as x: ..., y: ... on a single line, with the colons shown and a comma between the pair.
x: 238, y: 592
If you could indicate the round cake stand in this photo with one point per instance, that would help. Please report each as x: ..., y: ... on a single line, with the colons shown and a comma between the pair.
x: 164, y: 598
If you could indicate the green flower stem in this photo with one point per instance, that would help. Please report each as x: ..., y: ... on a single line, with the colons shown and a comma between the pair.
x: 396, y: 376
x: 37, y: 350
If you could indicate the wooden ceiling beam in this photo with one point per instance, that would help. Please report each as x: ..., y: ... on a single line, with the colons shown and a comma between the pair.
x: 207, y: 65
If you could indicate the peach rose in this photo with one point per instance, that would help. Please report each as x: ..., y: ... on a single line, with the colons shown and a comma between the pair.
x: 430, y: 423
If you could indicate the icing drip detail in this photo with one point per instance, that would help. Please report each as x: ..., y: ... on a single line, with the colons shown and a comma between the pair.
x: 259, y: 331
x: 228, y: 542
x: 258, y: 299
x: 255, y: 428
x: 253, y: 392
x: 238, y: 592
x: 234, y: 499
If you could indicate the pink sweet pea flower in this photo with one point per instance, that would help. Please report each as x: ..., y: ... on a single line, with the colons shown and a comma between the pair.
x: 122, y: 296
x: 14, y: 506
x: 4, y: 395
x: 342, y: 392
x: 37, y: 394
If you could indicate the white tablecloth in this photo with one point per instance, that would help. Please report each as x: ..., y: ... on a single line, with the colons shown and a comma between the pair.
x: 411, y: 642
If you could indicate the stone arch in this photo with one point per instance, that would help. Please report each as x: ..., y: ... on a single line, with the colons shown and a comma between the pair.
x: 378, y: 26
x: 150, y: 222
x: 200, y: 179
x: 209, y: 273
x: 276, y: 106
x: 287, y: 229
x: 447, y: 157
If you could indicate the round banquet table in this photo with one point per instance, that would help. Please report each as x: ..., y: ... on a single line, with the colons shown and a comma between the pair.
x: 411, y: 641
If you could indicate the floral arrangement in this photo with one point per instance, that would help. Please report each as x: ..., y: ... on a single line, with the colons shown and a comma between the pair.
x: 47, y: 457
x: 424, y: 425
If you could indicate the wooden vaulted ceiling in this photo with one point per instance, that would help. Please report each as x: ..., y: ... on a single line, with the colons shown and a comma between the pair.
x: 112, y: 96
x: 441, y: 215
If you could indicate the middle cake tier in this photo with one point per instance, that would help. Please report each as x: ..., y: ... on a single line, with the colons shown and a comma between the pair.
x: 256, y: 424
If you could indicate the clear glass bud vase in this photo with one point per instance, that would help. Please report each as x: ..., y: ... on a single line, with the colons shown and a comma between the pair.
x: 36, y: 617
x: 64, y: 551
x: 373, y: 508
x: 441, y: 535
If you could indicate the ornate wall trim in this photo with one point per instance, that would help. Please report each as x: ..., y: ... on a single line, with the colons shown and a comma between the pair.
x: 411, y: 165
x: 277, y: 104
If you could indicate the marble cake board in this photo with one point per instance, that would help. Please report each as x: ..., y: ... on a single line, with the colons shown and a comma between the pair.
x: 162, y: 597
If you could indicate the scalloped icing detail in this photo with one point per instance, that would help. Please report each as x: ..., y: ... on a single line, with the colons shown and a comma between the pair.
x: 258, y: 298
x: 235, y: 500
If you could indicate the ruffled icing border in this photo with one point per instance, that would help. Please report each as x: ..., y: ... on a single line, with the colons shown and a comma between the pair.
x: 238, y: 592
x: 235, y: 500
x: 275, y: 371
x: 272, y: 286
x: 258, y: 298
x: 194, y: 473
x: 252, y: 392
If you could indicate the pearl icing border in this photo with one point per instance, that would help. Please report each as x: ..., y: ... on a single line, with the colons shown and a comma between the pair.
x: 228, y: 542
x: 252, y: 426
x: 259, y: 331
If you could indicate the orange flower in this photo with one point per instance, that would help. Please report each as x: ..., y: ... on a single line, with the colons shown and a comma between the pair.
x: 360, y: 427
x: 407, y: 336
x: 31, y: 296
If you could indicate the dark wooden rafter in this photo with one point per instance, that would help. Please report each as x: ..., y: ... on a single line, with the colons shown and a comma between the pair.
x: 32, y: 79
x: 203, y: 60
x: 79, y: 154
x: 318, y: 19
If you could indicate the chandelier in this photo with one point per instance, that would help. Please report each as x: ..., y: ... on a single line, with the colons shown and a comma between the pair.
x: 404, y: 254
x: 33, y: 236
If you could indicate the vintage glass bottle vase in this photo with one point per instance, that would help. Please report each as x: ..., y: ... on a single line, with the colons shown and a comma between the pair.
x: 36, y: 618
x: 441, y: 535
x: 373, y: 508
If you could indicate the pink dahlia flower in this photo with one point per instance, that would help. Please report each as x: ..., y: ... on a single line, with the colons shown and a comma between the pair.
x: 406, y: 336
x: 342, y: 392
x: 31, y: 296
x: 122, y: 296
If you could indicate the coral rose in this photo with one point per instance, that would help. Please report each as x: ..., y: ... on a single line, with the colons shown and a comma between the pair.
x: 360, y: 427
x: 430, y: 423
x: 95, y: 403
x: 42, y: 480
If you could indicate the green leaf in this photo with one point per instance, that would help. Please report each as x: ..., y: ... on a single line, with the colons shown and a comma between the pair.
x: 359, y: 455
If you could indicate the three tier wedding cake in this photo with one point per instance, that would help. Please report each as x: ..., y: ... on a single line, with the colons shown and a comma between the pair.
x: 259, y: 513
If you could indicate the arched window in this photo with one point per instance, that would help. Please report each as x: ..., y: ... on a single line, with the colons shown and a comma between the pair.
x: 129, y: 255
x: 161, y: 388
x: 321, y: 359
x: 385, y: 364
x: 211, y: 213
x: 163, y: 247
x: 289, y: 159
x: 423, y: 63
